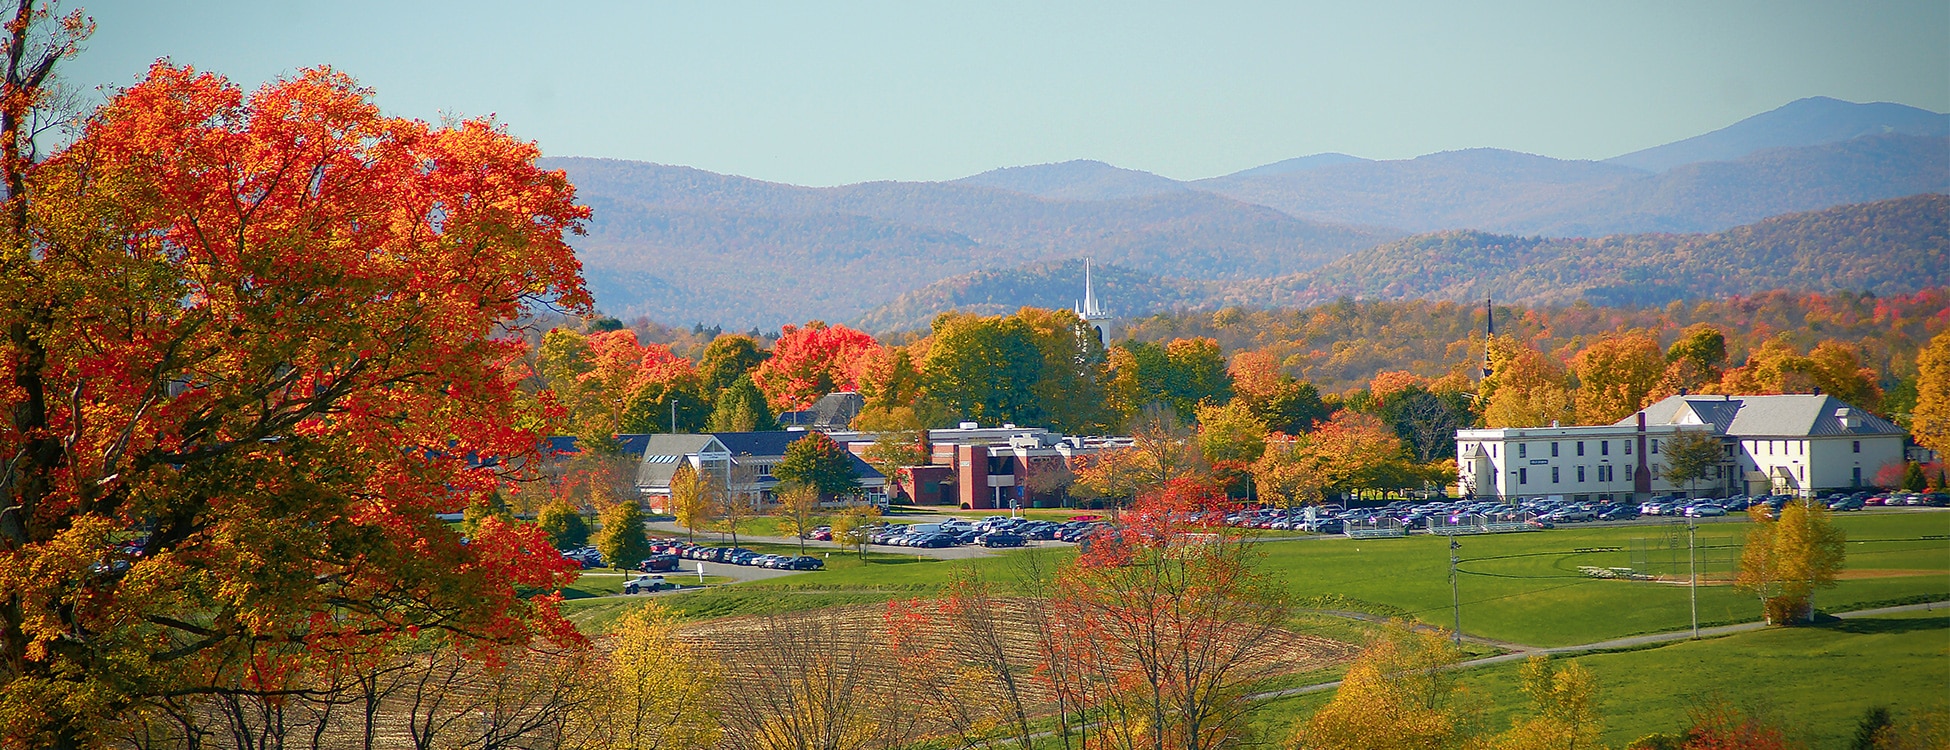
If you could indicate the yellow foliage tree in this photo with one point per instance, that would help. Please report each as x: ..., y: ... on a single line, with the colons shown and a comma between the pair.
x: 1564, y: 709
x: 798, y: 512
x: 1527, y: 389
x: 853, y: 526
x: 1783, y: 561
x: 1398, y: 695
x: 656, y: 689
x: 1287, y: 475
x: 691, y: 496
x: 1930, y: 420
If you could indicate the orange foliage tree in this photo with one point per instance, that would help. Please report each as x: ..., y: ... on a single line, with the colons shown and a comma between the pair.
x: 1160, y: 623
x: 811, y: 361
x: 1527, y: 389
x: 255, y: 343
x: 1617, y: 376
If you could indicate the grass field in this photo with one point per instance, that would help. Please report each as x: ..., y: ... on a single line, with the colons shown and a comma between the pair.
x: 1521, y: 588
x: 1816, y: 680
x: 1526, y: 588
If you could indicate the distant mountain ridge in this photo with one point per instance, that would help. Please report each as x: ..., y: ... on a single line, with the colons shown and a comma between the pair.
x: 1079, y: 180
x: 686, y: 245
x: 1813, y: 121
x: 1894, y: 246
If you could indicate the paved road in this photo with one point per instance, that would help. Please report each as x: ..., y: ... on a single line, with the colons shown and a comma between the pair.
x: 1616, y: 643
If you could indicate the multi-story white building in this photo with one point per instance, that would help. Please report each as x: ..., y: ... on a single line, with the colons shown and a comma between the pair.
x: 1791, y: 444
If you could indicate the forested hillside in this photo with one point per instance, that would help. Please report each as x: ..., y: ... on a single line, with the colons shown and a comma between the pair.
x: 1054, y: 284
x: 1890, y: 247
x: 1887, y: 247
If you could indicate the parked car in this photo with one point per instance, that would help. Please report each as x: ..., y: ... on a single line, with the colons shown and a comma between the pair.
x: 807, y: 562
x: 647, y: 584
x: 658, y: 563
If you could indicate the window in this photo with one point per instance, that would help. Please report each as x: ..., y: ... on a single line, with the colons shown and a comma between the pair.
x: 1553, y: 475
x: 1553, y: 449
x: 1492, y: 450
x: 1580, y: 447
x: 1523, y: 476
x: 1580, y: 474
x: 1655, y: 446
x: 1628, y: 446
x: 1523, y: 450
x: 1604, y: 447
x: 1858, y: 446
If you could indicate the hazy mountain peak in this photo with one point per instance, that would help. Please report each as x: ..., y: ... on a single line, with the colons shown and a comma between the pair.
x: 1077, y: 179
x: 1299, y: 164
x: 1812, y: 121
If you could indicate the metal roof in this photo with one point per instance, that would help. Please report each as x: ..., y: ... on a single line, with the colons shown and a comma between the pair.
x: 1788, y: 415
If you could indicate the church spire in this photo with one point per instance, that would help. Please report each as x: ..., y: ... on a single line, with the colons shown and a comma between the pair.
x: 1489, y: 332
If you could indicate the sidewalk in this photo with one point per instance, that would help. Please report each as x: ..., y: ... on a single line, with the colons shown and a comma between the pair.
x: 1616, y: 643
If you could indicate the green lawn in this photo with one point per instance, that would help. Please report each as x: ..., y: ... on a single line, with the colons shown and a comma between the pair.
x: 1523, y: 588
x: 1526, y: 588
x: 1817, y: 680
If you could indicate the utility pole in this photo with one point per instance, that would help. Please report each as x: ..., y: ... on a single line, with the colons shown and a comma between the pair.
x: 1692, y: 570
x: 1455, y: 599
x: 673, y: 413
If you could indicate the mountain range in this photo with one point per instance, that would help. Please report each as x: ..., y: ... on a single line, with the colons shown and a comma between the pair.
x: 1887, y: 247
x: 684, y: 245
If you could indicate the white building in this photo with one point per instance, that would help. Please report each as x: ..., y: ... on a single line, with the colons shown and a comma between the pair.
x: 1793, y: 444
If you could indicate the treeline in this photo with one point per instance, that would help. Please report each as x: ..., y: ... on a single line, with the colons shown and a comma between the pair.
x: 1414, y: 366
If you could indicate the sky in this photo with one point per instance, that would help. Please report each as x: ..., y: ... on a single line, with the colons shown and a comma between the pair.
x: 831, y: 93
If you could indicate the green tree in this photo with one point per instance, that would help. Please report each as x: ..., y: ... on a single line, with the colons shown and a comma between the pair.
x: 1914, y: 479
x: 985, y: 369
x: 622, y: 539
x: 819, y: 462
x: 892, y: 451
x: 727, y: 359
x: 651, y: 407
x: 1072, y: 386
x: 564, y: 524
x: 742, y: 408
x: 1691, y: 456
x: 1181, y: 374
x: 487, y: 506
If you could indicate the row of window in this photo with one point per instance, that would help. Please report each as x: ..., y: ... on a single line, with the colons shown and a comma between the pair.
x: 1604, y: 448
x: 1604, y: 472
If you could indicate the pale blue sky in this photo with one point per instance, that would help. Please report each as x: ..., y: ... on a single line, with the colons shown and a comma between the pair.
x: 830, y: 93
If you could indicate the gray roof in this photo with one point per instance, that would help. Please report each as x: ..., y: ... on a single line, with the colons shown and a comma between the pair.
x: 663, y: 453
x: 1792, y: 415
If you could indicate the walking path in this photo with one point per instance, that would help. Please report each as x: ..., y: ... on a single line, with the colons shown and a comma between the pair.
x: 1525, y: 652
